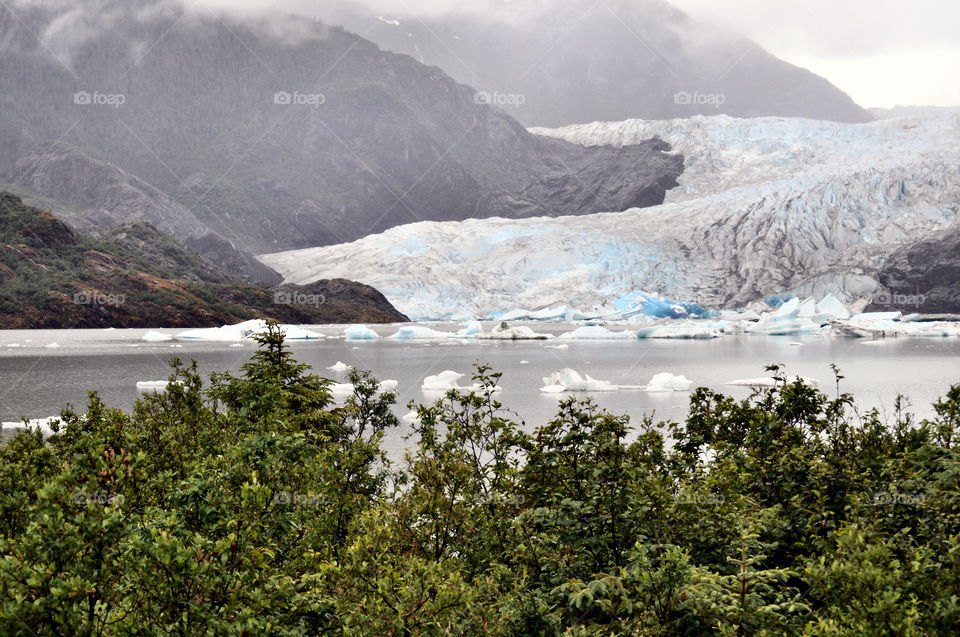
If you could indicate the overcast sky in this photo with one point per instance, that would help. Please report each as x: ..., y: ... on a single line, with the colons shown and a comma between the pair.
x: 881, y: 52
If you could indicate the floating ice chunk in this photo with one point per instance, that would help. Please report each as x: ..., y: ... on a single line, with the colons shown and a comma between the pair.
x: 771, y: 382
x: 388, y: 385
x: 420, y: 333
x: 569, y: 380
x: 471, y: 328
x: 339, y: 367
x: 52, y: 345
x: 524, y: 362
x: 796, y: 344
x: 411, y: 417
x: 598, y: 333
x: 156, y: 337
x: 341, y: 390
x: 444, y: 381
x: 881, y: 342
x: 157, y: 386
x: 236, y: 345
x: 560, y: 346
x: 807, y: 309
x: 666, y: 382
x: 245, y: 330
x: 43, y: 424
x: 681, y: 330
x: 503, y: 332
x: 360, y: 333
x: 14, y: 345
x: 784, y: 326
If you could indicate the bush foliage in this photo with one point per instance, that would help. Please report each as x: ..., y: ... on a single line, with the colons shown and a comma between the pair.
x: 256, y: 506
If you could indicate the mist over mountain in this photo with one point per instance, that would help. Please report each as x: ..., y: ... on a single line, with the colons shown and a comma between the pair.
x: 275, y: 134
x: 578, y: 62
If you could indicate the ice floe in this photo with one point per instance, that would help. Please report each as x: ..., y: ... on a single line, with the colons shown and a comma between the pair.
x: 569, y: 380
x: 245, y: 331
x: 683, y: 330
x: 667, y: 382
x: 598, y: 333
x: 504, y: 332
x: 43, y: 424
x: 360, y: 333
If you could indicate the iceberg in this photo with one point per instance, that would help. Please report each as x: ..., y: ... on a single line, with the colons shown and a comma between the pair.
x: 569, y: 380
x: 503, y: 332
x: 596, y: 332
x: 245, y: 331
x: 52, y: 346
x: 682, y: 330
x: 667, y: 382
x: 561, y: 346
x: 444, y: 381
x: 471, y: 328
x: 339, y: 367
x: 43, y: 424
x: 420, y: 333
x: 360, y: 333
x: 342, y: 391
x: 157, y: 386
x: 156, y: 337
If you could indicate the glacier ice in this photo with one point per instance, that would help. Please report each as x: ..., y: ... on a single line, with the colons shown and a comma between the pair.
x: 765, y: 206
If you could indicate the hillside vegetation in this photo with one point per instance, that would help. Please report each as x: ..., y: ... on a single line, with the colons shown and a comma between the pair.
x: 135, y: 276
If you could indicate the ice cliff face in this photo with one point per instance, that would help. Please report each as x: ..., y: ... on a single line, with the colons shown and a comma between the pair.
x: 765, y: 206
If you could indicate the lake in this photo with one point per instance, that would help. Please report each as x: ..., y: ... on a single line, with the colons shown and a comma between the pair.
x: 37, y: 380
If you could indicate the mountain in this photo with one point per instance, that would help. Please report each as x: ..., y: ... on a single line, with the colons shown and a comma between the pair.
x: 765, y: 207
x: 135, y: 276
x: 575, y: 62
x: 243, y: 138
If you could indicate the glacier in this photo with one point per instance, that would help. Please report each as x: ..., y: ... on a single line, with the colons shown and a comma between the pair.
x: 767, y: 208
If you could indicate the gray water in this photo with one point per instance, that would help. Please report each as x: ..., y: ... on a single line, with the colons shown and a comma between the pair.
x: 37, y: 381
